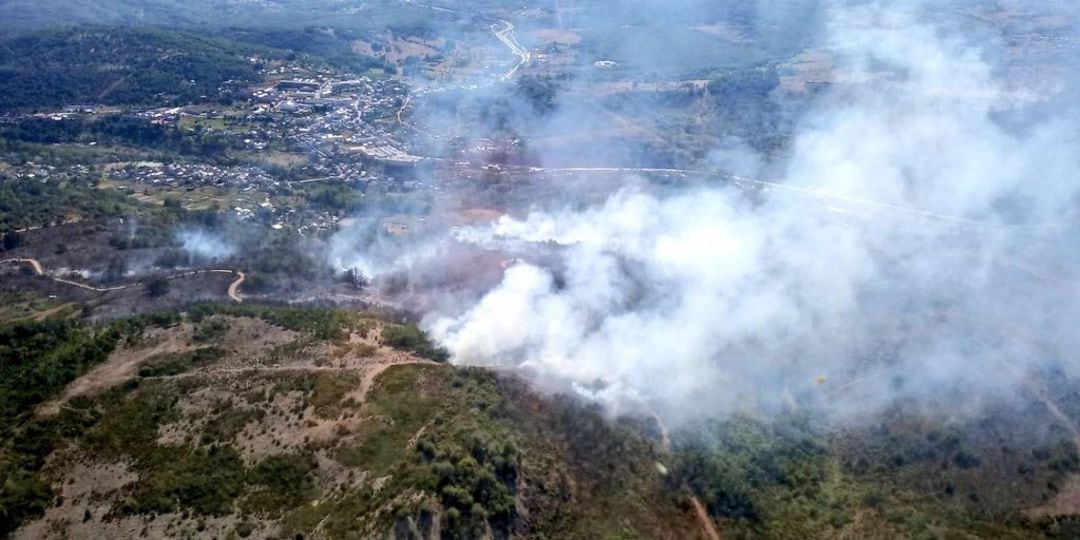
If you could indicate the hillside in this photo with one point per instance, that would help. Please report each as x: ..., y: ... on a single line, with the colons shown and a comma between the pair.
x: 30, y: 15
x: 121, y: 66
x: 288, y: 423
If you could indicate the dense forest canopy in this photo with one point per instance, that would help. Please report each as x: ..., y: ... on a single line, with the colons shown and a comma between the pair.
x: 101, y: 65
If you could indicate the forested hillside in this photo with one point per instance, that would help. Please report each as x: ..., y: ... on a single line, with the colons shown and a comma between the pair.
x: 102, y: 65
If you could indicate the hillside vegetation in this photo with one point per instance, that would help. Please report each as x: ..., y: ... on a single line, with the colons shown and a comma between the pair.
x: 129, y: 66
x: 254, y: 421
x: 323, y: 426
x: 30, y: 15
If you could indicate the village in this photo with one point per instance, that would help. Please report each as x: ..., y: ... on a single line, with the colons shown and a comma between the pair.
x: 280, y: 140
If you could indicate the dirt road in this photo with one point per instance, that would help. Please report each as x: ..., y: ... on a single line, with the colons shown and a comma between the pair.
x: 507, y: 37
x: 119, y: 367
x: 1032, y: 384
x: 703, y: 518
x: 234, y: 287
x: 39, y: 269
x: 700, y: 513
x: 32, y: 262
x: 1055, y: 410
x: 369, y: 371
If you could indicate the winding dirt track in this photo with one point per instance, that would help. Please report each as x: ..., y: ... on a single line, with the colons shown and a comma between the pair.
x: 32, y: 262
x: 708, y: 527
x: 39, y: 269
x: 234, y: 287
x: 1041, y: 393
x: 704, y: 519
x: 507, y: 37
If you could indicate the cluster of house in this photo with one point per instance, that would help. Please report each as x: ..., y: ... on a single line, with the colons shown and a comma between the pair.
x: 366, y: 96
x: 192, y: 174
x: 31, y: 170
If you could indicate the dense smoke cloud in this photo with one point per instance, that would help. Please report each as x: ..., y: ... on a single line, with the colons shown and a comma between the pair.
x: 914, y: 246
x: 916, y: 240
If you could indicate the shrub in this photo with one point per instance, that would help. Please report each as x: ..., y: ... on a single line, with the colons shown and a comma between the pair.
x: 157, y: 286
x: 210, y: 331
x: 170, y: 364
x: 410, y: 338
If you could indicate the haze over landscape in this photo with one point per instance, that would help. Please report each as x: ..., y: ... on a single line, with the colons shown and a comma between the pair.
x: 630, y: 269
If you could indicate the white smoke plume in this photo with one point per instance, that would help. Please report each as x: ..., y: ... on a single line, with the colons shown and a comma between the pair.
x: 205, y: 246
x: 914, y: 246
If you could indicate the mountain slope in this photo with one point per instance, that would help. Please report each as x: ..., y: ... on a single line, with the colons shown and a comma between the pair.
x: 229, y: 425
x: 120, y: 66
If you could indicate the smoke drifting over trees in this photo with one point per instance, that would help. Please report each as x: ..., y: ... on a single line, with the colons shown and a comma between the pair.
x: 202, y: 245
x: 916, y: 241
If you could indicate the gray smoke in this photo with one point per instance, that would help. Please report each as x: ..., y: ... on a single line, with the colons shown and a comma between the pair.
x: 914, y: 246
x: 916, y: 238
x: 205, y: 246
